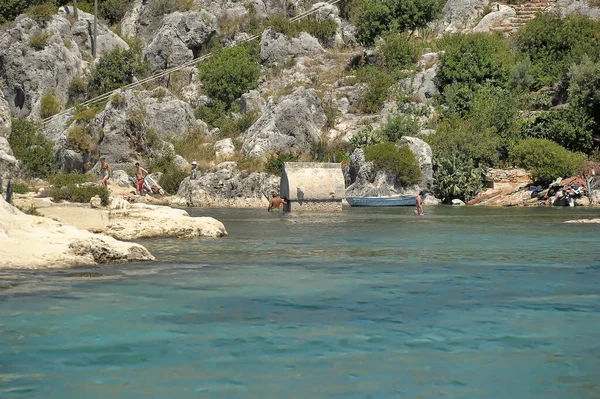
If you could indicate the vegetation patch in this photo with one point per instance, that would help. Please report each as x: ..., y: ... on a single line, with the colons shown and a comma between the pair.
x: 117, y: 68
x: 546, y: 160
x: 49, y: 105
x: 275, y: 162
x: 42, y: 13
x: 32, y: 148
x: 399, y: 161
x: 40, y: 41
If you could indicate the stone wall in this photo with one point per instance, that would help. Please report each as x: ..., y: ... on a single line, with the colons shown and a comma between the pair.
x: 508, y: 179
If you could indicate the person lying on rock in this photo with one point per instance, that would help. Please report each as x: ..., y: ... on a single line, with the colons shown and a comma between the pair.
x: 140, y: 173
x: 276, y: 202
x: 105, y: 171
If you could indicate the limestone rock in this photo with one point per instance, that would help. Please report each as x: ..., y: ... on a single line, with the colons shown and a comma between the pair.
x: 459, y: 16
x: 120, y: 178
x: 585, y: 8
x: 5, y: 120
x: 499, y: 15
x: 224, y: 186
x: 457, y: 202
x: 95, y: 202
x: 82, y: 31
x: 423, y: 84
x: 145, y: 221
x: 224, y: 148
x: 180, y: 39
x: 29, y: 73
x: 9, y: 166
x: 422, y: 152
x: 130, y: 20
x: 35, y: 242
x: 252, y: 102
x: 277, y: 48
x: 293, y: 125
x: 168, y: 116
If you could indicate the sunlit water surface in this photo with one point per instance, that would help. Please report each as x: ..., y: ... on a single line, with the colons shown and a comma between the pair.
x: 462, y: 303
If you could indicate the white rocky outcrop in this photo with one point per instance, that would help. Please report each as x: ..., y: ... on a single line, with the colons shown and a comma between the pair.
x: 9, y: 165
x: 293, y: 125
x: 459, y: 16
x: 276, y: 47
x: 180, y: 39
x: 224, y: 148
x: 225, y: 186
x: 37, y: 242
x: 500, y: 14
x: 144, y: 221
x: 364, y: 180
x: 60, y: 54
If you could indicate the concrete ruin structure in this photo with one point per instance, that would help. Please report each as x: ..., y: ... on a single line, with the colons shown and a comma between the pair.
x: 312, y: 186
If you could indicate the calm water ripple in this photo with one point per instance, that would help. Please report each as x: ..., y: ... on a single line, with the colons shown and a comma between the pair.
x: 462, y: 303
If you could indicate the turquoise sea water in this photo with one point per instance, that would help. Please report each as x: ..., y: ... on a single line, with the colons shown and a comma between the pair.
x: 369, y: 303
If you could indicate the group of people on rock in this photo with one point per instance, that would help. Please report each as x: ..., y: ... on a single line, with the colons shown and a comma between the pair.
x: 106, y: 173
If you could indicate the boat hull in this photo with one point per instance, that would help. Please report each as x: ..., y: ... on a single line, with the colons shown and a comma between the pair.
x: 406, y: 200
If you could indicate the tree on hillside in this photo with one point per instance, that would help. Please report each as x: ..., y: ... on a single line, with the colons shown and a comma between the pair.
x: 376, y: 17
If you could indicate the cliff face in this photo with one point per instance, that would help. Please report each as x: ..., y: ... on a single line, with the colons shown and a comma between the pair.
x: 307, y: 97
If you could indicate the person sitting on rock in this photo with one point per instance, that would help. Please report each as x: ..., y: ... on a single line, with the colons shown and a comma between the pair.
x: 105, y: 171
x: 276, y: 202
x: 140, y: 173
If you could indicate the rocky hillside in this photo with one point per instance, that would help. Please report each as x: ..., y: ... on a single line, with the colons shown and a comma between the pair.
x: 336, y: 85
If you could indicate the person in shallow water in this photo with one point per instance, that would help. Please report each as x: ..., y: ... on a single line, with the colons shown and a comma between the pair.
x: 419, y: 208
x: 105, y: 171
x: 276, y: 202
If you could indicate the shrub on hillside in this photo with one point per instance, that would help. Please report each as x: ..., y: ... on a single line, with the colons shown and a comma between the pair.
x: 546, y: 160
x: 229, y: 74
x: 367, y: 137
x: 399, y: 161
x: 11, y: 9
x: 32, y: 148
x: 396, y: 52
x: 77, y: 87
x: 172, y: 174
x: 114, y: 10
x: 115, y: 69
x: 584, y: 87
x: 323, y: 30
x: 42, y: 12
x: 376, y: 17
x: 275, y: 162
x: 378, y: 84
x: 49, y: 105
x: 80, y: 194
x: 456, y: 176
x: 79, y: 139
x: 398, y: 126
x: 40, y: 41
x: 553, y: 44
x: 68, y: 179
x: 474, y: 60
x: 570, y: 127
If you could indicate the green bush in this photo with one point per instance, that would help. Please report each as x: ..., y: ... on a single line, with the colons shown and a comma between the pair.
x: 456, y: 176
x: 49, y: 105
x: 546, y: 160
x: 367, y: 137
x: 43, y: 12
x: 376, y: 17
x: 323, y: 30
x: 79, y: 139
x: 275, y: 162
x: 455, y: 136
x: 77, y: 87
x: 32, y: 148
x: 398, y: 126
x: 172, y: 174
x: 40, y: 41
x: 584, y: 87
x: 570, y: 127
x: 229, y: 74
x: 553, y: 44
x: 11, y: 9
x: 378, y: 84
x: 396, y: 52
x: 114, y: 10
x: 399, y: 161
x: 162, y: 7
x: 115, y: 69
x: 68, y: 179
x: 20, y: 188
x: 84, y: 114
x: 80, y: 194
x: 474, y: 60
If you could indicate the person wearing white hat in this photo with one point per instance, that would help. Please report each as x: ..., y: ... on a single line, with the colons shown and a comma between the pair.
x: 194, y: 170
